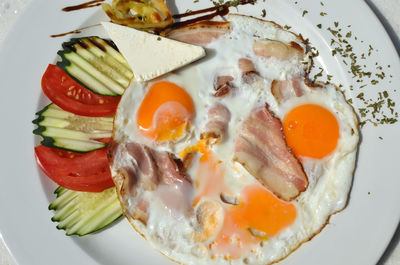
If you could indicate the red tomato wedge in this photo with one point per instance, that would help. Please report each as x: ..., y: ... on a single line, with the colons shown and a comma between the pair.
x: 76, y: 171
x: 69, y: 95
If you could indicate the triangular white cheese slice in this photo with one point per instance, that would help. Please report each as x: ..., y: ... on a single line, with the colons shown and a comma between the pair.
x: 150, y: 55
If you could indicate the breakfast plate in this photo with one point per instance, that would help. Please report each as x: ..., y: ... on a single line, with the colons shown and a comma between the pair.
x: 357, y: 235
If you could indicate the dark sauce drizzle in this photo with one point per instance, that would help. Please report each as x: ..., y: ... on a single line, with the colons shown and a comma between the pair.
x: 82, y: 6
x: 220, y: 10
x: 73, y: 31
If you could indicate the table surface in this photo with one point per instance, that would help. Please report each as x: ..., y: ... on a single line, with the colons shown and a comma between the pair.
x: 386, y: 10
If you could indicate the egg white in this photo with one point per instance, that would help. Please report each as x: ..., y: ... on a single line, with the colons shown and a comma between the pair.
x: 329, y: 178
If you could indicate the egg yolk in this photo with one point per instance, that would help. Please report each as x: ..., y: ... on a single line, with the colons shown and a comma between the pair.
x: 210, y: 171
x: 258, y: 216
x: 311, y: 131
x: 165, y: 112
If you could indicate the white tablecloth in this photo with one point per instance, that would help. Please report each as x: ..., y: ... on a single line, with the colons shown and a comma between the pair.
x: 388, y: 12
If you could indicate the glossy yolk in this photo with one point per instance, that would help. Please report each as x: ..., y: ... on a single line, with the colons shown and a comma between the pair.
x: 259, y: 215
x: 165, y: 112
x: 311, y: 131
x: 210, y: 172
x: 210, y: 177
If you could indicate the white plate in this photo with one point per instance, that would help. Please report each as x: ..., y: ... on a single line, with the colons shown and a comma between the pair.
x: 358, y: 235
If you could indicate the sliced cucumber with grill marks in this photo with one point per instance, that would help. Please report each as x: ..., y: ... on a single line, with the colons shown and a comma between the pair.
x: 62, y: 129
x: 81, y: 213
x: 96, y: 64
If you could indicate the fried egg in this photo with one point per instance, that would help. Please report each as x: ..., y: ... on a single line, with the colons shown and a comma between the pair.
x: 211, y: 209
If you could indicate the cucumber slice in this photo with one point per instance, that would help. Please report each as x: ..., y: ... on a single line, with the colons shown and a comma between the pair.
x: 72, y: 145
x: 109, y: 55
x: 99, y: 76
x: 96, y: 64
x: 62, y: 129
x: 85, y: 79
x: 111, y: 49
x: 81, y: 213
x: 84, y: 50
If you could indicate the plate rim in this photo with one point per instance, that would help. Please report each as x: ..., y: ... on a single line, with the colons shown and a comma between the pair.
x: 19, y: 23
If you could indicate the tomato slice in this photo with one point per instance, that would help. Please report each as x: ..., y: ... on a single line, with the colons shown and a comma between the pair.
x: 76, y: 171
x: 69, y: 95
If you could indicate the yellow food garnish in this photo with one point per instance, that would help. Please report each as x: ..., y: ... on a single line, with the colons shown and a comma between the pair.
x: 139, y: 14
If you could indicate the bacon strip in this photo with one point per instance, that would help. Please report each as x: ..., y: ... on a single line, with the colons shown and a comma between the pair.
x: 223, y: 85
x: 260, y: 147
x: 283, y: 90
x: 152, y: 167
x: 273, y: 48
x: 141, y: 211
x: 217, y: 125
x: 200, y: 33
x: 249, y: 73
x: 246, y: 66
x: 168, y: 169
x: 145, y: 169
